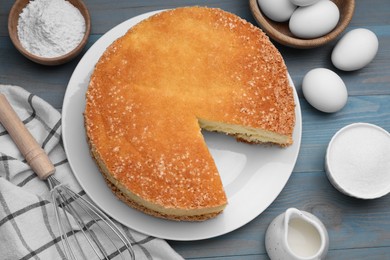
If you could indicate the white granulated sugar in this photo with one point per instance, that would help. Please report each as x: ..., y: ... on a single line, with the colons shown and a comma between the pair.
x: 50, y: 28
x: 360, y: 161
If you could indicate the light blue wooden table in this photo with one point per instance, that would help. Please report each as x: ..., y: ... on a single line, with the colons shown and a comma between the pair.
x: 357, y: 229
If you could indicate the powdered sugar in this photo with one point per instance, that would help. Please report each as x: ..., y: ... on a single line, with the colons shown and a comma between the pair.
x: 50, y: 28
x: 359, y: 160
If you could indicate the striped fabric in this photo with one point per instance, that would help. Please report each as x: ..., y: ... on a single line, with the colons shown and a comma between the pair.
x: 28, y: 228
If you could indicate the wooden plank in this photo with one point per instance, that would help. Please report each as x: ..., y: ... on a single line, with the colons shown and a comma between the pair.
x: 372, y: 80
x: 5, y: 7
x: 106, y: 14
x: 318, y: 128
x: 380, y: 253
x: 351, y: 223
x: 48, y: 82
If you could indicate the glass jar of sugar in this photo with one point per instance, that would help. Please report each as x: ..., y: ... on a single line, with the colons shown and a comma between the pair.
x: 357, y: 161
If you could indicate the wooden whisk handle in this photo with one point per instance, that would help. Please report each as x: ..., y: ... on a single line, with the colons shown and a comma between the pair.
x: 28, y: 146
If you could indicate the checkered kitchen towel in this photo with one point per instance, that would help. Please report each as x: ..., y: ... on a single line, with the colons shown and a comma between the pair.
x: 28, y: 228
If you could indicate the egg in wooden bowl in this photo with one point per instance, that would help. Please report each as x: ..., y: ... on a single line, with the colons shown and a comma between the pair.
x: 281, y: 32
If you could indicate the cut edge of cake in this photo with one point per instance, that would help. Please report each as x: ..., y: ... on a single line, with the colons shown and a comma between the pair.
x: 136, y: 202
x: 247, y: 134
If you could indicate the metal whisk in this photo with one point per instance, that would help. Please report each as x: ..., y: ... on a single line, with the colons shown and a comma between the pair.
x: 79, y: 221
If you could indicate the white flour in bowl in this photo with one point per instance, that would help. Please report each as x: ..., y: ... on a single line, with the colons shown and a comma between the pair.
x: 50, y: 28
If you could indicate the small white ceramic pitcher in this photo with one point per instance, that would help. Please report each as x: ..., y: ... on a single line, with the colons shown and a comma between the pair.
x: 296, y: 235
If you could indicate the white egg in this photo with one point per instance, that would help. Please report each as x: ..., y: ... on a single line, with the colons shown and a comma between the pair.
x: 355, y: 50
x: 304, y: 2
x: 314, y: 20
x: 324, y: 90
x: 277, y: 10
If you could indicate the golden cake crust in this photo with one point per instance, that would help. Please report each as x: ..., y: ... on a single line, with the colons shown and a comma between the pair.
x: 169, y: 76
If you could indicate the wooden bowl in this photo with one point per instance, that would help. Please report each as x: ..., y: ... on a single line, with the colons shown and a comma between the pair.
x: 13, y: 18
x: 281, y: 33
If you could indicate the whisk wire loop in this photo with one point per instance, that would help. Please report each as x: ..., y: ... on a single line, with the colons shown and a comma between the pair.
x: 105, y: 220
x: 67, y: 207
x: 65, y: 243
x: 65, y: 202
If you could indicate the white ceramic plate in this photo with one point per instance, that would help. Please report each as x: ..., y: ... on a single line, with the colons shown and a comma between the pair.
x: 253, y: 175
